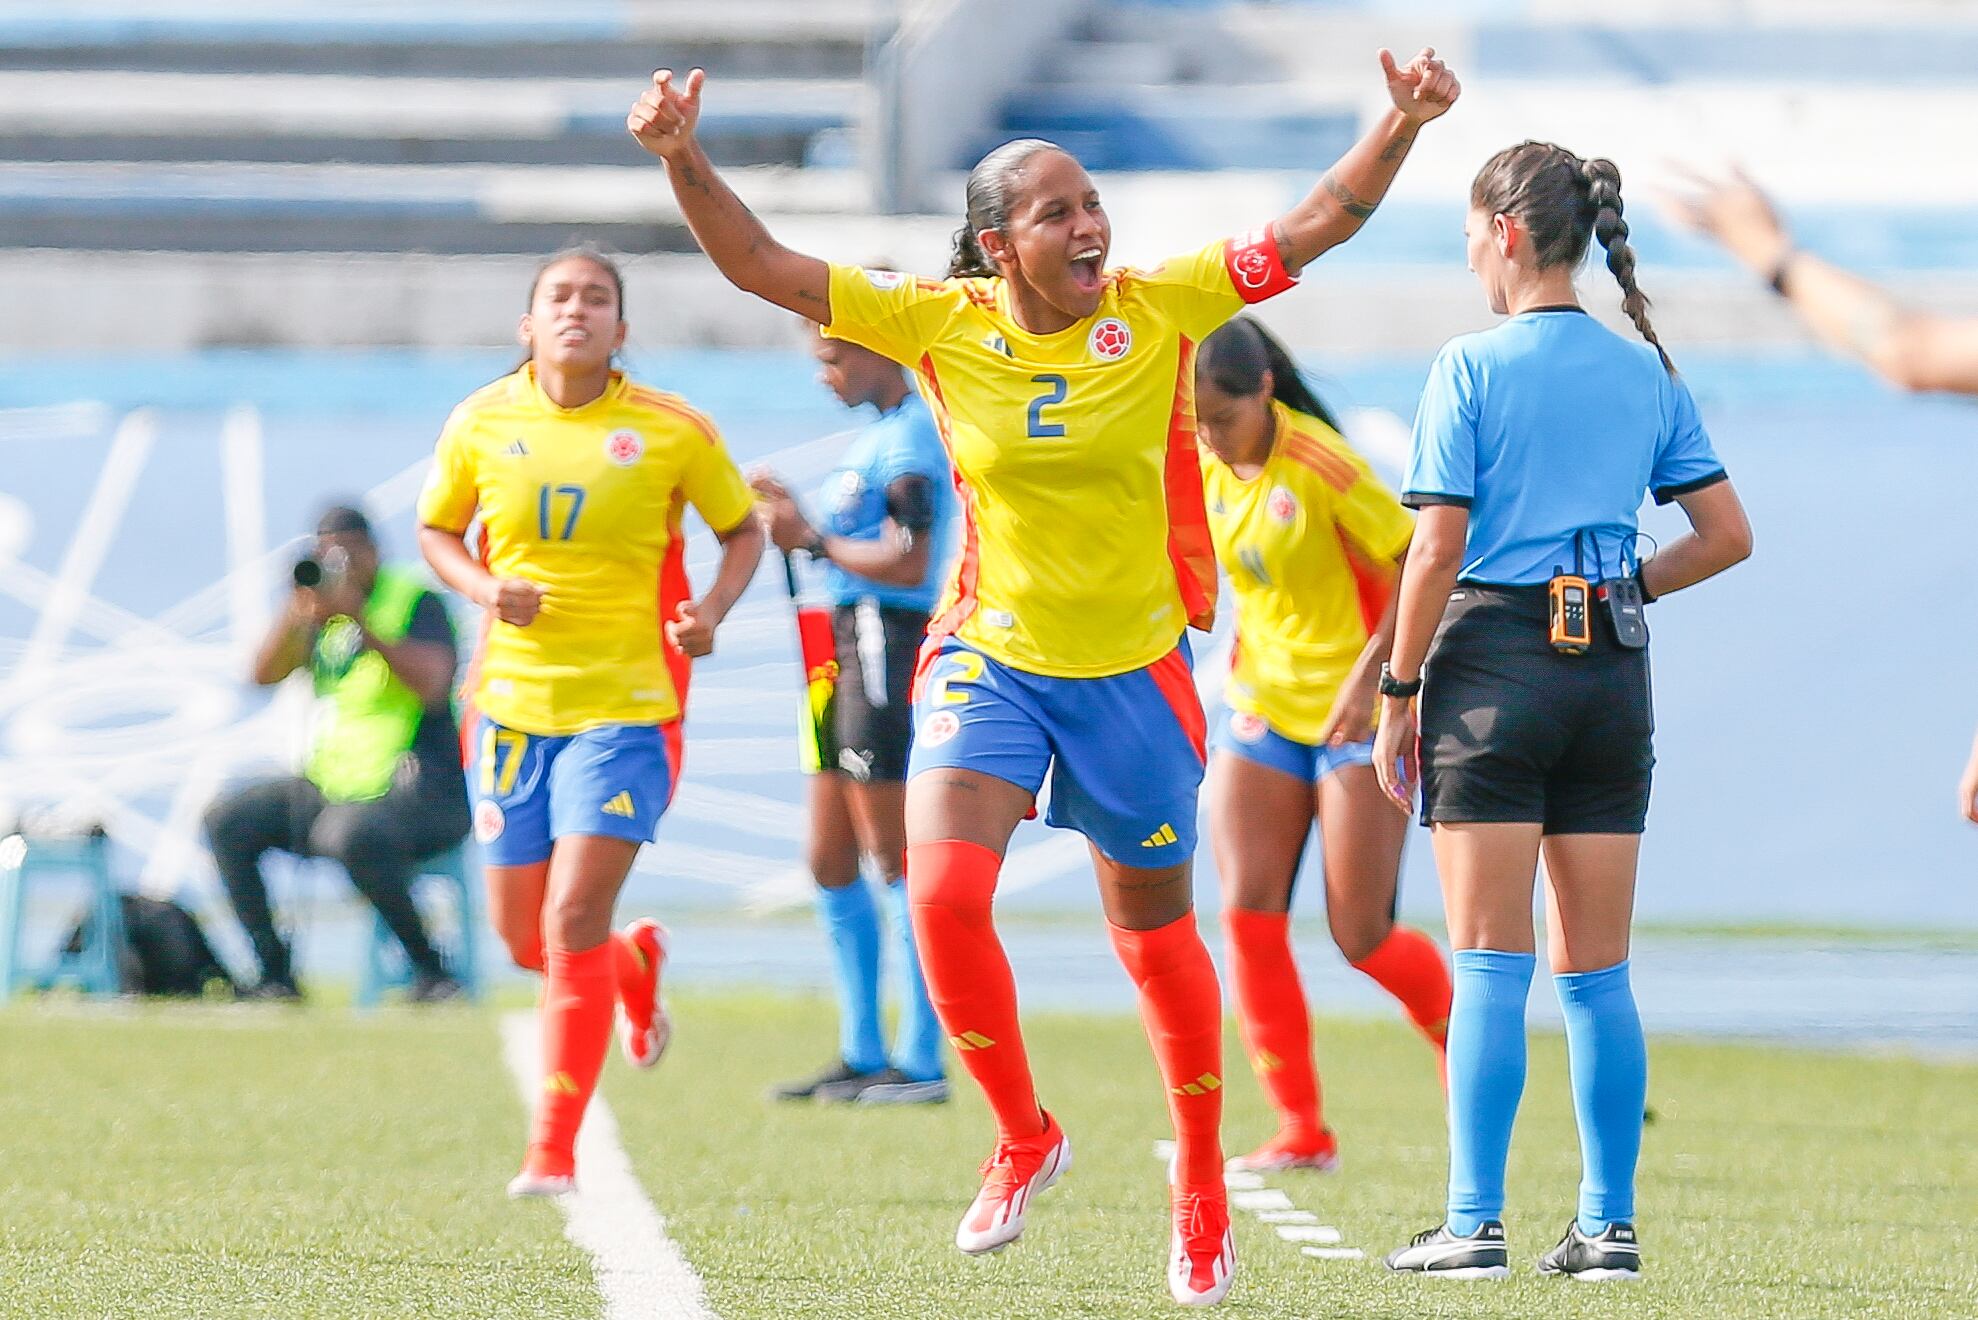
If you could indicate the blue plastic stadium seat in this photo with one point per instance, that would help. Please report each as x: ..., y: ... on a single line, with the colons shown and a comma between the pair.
x: 94, y: 968
x: 458, y: 938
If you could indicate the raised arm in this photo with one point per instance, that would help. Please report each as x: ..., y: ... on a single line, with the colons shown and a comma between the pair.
x: 1348, y: 192
x: 1910, y: 349
x: 663, y: 120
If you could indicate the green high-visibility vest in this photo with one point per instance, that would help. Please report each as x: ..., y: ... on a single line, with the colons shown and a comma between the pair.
x: 368, y: 718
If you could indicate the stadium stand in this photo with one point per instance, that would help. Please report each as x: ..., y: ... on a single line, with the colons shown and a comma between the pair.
x: 422, y: 126
x: 378, y: 172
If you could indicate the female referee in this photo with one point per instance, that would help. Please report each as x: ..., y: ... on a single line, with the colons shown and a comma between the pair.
x: 578, y: 477
x: 1534, y: 444
x: 1064, y: 395
x: 1311, y: 541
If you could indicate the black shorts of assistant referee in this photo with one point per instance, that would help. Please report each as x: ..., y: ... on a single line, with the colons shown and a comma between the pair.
x: 1513, y: 731
x: 872, y: 708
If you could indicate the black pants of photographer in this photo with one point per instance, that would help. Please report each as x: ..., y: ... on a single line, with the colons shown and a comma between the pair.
x: 379, y: 842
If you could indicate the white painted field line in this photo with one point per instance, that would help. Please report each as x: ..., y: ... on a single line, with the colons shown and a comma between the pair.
x: 640, y: 1270
x: 1334, y: 1253
x: 1249, y: 1192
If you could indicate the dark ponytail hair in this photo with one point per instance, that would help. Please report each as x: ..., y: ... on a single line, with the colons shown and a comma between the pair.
x: 1563, y: 202
x: 1236, y: 357
x: 988, y: 195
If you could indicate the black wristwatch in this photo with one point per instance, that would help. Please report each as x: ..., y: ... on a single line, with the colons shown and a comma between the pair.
x: 1390, y: 686
x: 815, y: 548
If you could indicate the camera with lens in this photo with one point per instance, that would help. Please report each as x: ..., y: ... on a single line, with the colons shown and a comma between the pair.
x: 313, y: 571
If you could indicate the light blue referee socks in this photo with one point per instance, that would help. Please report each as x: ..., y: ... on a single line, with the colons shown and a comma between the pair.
x: 851, y: 919
x: 1486, y: 1079
x: 917, y: 1047
x: 1610, y: 1087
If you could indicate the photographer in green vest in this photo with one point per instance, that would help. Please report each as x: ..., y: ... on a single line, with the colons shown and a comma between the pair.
x: 382, y: 789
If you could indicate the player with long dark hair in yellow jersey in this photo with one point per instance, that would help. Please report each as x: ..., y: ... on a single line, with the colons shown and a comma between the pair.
x: 1064, y: 393
x: 1312, y: 542
x: 578, y: 477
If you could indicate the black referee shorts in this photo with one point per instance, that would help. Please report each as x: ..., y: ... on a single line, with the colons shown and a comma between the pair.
x: 1513, y: 731
x: 872, y: 707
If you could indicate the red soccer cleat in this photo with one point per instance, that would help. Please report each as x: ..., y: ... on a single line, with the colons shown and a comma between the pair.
x: 646, y: 1029
x: 1203, y: 1260
x: 1291, y: 1149
x: 1014, y: 1173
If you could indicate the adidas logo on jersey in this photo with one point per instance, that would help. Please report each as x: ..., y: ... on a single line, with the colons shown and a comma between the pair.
x: 619, y: 806
x: 1161, y: 838
x: 997, y: 344
x: 516, y: 449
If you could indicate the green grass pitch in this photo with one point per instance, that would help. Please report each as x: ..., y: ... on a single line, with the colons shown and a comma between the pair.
x: 217, y: 1162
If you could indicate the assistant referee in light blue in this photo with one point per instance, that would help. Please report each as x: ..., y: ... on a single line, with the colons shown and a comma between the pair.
x: 1534, y: 446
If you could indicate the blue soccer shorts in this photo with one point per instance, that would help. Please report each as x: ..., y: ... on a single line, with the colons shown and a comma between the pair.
x: 1251, y: 737
x: 1124, y: 752
x: 531, y: 789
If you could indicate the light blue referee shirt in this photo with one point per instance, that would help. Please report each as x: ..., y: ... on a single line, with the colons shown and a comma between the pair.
x: 1549, y: 425
x: 902, y: 443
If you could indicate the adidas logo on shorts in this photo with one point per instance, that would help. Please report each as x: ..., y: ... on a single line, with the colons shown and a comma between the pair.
x: 620, y: 806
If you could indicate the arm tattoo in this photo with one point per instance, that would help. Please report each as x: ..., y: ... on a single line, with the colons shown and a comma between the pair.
x: 1398, y: 148
x: 1348, y: 203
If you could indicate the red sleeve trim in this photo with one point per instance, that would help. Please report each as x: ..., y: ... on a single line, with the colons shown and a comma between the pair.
x: 1256, y: 267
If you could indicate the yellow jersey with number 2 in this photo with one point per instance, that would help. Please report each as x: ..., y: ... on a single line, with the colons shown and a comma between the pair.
x: 1084, y: 550
x: 586, y: 503
x: 1310, y: 545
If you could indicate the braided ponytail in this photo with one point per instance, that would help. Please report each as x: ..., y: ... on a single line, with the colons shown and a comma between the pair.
x: 1563, y: 202
x: 1603, y: 183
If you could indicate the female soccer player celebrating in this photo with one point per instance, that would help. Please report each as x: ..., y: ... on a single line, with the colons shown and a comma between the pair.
x: 1064, y: 394
x: 578, y: 477
x: 1534, y: 445
x: 1311, y: 540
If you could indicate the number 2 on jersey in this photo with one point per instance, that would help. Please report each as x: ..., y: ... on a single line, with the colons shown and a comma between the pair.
x: 545, y: 500
x: 1039, y: 428
x: 965, y: 669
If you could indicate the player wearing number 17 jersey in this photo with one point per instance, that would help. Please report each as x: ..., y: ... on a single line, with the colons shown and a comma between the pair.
x: 1064, y: 393
x: 578, y: 478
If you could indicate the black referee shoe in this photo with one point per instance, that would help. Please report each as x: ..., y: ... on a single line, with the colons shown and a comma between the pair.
x: 1441, y: 1254
x: 1612, y: 1255
x: 838, y: 1082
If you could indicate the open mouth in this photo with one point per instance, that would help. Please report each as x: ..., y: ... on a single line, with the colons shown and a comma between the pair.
x: 1087, y: 270
x: 573, y: 334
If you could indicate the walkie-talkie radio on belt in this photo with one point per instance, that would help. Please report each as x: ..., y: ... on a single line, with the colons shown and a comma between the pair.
x: 1572, y: 598
x: 1572, y: 613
